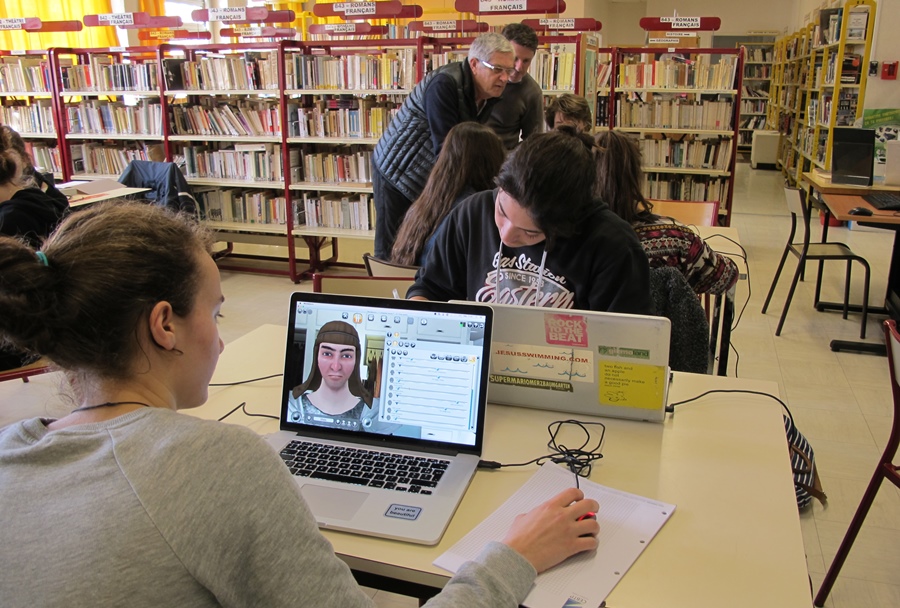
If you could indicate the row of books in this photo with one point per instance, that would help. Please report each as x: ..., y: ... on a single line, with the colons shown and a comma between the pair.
x: 330, y: 167
x: 675, y: 71
x: 749, y: 91
x: 251, y: 71
x: 749, y: 106
x: 554, y: 69
x: 389, y: 70
x: 845, y: 114
x: 674, y: 113
x: 105, y: 73
x: 106, y: 159
x: 249, y: 162
x: 114, y: 118
x: 756, y: 54
x: 758, y: 71
x: 34, y: 117
x: 241, y: 119
x: 245, y: 206
x: 686, y: 187
x: 354, y: 212
x: 24, y: 74
x: 369, y: 119
x: 46, y: 158
x: 707, y: 153
x: 753, y: 122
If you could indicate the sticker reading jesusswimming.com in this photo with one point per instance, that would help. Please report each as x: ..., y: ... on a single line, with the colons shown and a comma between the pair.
x: 544, y: 367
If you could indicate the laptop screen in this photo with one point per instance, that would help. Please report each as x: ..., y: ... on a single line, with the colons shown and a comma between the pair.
x: 392, y: 371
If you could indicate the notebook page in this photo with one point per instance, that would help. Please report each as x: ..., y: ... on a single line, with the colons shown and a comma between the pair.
x: 627, y: 525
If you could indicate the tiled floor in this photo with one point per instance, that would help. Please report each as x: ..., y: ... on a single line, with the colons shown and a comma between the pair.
x: 840, y: 401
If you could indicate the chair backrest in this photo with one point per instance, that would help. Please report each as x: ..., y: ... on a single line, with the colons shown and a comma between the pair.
x: 359, y: 285
x: 794, y: 202
x: 892, y: 341
x: 798, y: 205
x: 674, y: 299
x: 382, y: 268
x: 692, y: 213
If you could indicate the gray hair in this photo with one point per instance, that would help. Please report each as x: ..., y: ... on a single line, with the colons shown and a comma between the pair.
x: 487, y: 44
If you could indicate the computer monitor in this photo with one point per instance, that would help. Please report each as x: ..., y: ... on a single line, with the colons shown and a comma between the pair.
x: 852, y: 156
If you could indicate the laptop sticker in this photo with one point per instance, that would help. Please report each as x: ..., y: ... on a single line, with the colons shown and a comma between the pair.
x: 629, y: 384
x: 566, y: 330
x: 545, y: 367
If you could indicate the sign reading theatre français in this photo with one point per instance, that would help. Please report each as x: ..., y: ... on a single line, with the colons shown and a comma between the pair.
x: 559, y: 24
x: 15, y: 23
x: 499, y: 6
x: 355, y: 8
x: 116, y: 19
x: 236, y: 13
x: 682, y: 23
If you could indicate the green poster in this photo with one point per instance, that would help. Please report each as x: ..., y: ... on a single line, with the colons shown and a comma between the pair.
x: 887, y: 128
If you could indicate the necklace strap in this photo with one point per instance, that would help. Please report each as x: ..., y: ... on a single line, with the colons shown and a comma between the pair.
x: 110, y: 404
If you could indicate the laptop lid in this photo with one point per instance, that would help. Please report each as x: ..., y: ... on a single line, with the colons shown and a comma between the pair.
x: 402, y: 378
x: 581, y: 362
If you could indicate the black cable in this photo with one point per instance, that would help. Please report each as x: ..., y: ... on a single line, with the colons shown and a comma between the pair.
x: 243, y: 408
x: 671, y: 406
x: 743, y: 256
x: 246, y: 381
x: 579, y: 460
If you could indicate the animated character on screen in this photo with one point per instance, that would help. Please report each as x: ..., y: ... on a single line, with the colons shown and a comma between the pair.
x: 333, y: 394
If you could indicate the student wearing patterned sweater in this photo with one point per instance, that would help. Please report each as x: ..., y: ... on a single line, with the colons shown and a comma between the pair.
x: 666, y: 241
x: 125, y: 501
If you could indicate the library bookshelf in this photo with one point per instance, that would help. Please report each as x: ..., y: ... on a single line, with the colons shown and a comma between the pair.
x: 759, y: 65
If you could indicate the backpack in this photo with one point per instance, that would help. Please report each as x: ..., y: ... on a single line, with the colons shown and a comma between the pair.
x: 807, y: 484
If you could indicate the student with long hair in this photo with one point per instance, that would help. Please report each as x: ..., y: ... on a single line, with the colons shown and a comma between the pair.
x: 468, y: 163
x: 666, y: 241
x: 125, y: 501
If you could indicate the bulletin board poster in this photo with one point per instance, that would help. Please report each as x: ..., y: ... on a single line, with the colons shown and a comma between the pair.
x: 887, y: 128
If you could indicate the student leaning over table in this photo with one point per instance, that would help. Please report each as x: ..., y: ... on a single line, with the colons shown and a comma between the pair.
x: 540, y: 239
x: 124, y: 501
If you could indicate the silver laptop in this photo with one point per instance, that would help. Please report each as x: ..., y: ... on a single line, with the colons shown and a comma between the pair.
x: 580, y: 362
x: 382, y: 413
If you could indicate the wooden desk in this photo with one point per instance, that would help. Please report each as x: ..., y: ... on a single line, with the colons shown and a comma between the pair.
x: 734, y: 539
x: 89, y: 199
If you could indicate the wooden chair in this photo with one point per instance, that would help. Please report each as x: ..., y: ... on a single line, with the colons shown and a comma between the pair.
x: 41, y: 366
x: 799, y: 207
x: 376, y: 267
x: 886, y: 468
x: 692, y: 213
x: 359, y: 285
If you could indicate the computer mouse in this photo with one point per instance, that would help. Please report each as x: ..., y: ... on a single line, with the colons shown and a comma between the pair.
x: 587, y: 516
x: 860, y: 211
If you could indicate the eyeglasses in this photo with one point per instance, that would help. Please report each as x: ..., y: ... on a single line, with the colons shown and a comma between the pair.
x: 497, y: 69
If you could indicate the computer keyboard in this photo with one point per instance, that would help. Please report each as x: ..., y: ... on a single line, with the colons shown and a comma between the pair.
x: 884, y: 201
x: 417, y: 475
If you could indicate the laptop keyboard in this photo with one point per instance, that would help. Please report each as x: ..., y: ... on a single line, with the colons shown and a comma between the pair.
x: 884, y: 201
x: 414, y: 474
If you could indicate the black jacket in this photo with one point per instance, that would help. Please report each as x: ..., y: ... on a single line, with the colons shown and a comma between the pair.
x: 602, y: 268
x: 406, y: 152
x: 168, y: 186
x: 32, y: 214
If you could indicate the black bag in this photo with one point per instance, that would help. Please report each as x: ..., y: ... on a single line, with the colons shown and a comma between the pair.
x: 803, y: 463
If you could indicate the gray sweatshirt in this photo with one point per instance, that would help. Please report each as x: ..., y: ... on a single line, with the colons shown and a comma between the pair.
x: 155, y: 508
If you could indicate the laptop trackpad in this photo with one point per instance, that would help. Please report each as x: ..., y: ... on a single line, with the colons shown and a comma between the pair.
x: 338, y: 504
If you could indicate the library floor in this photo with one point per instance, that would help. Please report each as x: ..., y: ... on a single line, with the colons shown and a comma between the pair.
x: 840, y: 401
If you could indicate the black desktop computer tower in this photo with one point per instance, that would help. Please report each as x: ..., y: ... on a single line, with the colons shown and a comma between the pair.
x: 852, y: 156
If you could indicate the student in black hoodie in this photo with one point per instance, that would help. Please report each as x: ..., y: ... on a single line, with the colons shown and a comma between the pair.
x: 540, y: 239
x: 30, y: 206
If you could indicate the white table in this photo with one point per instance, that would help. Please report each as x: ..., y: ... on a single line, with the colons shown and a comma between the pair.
x: 734, y: 539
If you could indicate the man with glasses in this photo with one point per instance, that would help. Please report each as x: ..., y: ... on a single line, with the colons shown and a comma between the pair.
x: 457, y: 92
x: 520, y: 112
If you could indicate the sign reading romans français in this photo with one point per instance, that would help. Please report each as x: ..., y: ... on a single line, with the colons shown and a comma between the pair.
x: 682, y: 23
x: 559, y: 24
x: 237, y: 13
x: 440, y: 25
x: 355, y: 8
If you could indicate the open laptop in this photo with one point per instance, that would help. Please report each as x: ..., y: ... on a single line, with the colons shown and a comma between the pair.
x: 411, y: 401
x: 580, y: 362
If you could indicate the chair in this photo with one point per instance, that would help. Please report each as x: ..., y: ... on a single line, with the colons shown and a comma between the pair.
x: 376, y: 267
x: 168, y: 186
x: 692, y: 213
x: 360, y: 285
x: 674, y: 299
x: 798, y: 205
x: 886, y: 468
x: 41, y: 366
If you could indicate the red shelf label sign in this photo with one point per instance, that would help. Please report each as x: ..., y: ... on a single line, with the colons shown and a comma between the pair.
x: 508, y: 7
x: 57, y: 26
x: 340, y: 28
x: 108, y: 19
x: 581, y: 25
x: 258, y: 32
x: 20, y: 23
x: 703, y: 24
x: 351, y: 10
x: 448, y: 25
x: 170, y: 34
x: 152, y: 21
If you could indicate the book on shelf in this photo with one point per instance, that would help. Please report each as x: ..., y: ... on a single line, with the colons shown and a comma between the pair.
x: 857, y: 24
